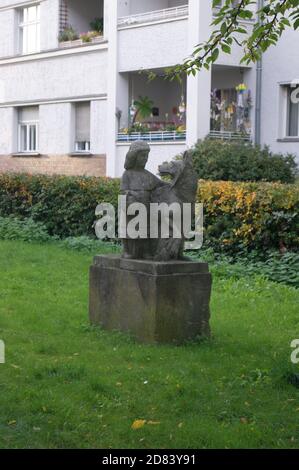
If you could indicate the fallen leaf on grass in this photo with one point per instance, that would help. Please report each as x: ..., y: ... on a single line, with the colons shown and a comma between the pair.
x: 12, y: 422
x: 138, y: 423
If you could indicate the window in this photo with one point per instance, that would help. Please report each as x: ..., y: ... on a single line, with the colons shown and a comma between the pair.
x: 29, y: 29
x: 293, y: 112
x: 28, y: 129
x: 82, y: 142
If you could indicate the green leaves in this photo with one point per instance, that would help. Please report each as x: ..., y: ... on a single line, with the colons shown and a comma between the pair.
x: 240, y: 22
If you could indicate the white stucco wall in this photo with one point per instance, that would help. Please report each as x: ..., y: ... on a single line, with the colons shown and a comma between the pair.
x: 98, y: 118
x: 159, y: 45
x: 223, y: 77
x: 55, y: 77
x: 49, y: 23
x: 8, y: 130
x: 159, y: 154
x: 8, y: 36
x: 280, y: 64
x: 234, y: 58
x: 56, y: 127
x: 122, y: 98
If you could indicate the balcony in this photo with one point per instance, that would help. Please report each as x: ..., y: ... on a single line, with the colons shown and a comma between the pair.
x: 154, y: 111
x: 231, y: 103
x: 166, y: 14
x: 79, y: 24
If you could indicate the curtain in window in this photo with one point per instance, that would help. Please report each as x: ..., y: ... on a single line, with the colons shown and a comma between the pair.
x: 82, y: 122
x: 28, y: 113
x: 293, y: 121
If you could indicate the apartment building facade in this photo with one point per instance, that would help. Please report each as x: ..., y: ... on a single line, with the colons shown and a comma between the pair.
x: 70, y: 79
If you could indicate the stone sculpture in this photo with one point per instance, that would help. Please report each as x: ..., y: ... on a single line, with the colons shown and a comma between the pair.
x: 139, y: 185
x: 150, y: 291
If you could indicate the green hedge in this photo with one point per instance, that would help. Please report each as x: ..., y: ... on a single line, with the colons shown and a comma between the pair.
x: 237, y: 215
x: 241, y: 161
x: 65, y: 205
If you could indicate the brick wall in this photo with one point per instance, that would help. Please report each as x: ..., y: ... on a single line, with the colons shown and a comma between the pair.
x: 55, y: 164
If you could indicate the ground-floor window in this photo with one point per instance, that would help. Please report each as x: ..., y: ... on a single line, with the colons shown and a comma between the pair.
x: 293, y: 112
x: 82, y: 140
x: 28, y: 118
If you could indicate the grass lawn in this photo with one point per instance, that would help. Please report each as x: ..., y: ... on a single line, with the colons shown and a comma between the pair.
x: 67, y: 385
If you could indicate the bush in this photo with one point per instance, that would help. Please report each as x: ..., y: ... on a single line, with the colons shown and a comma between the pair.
x: 249, y: 216
x: 89, y: 245
x: 65, y: 205
x: 25, y: 230
x: 241, y: 161
x: 238, y: 216
x: 275, y: 266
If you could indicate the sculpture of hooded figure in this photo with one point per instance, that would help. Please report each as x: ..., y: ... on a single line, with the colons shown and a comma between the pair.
x: 137, y: 185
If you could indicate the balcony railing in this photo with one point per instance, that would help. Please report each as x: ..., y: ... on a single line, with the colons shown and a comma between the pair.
x: 227, y: 135
x: 152, y: 136
x: 152, y: 16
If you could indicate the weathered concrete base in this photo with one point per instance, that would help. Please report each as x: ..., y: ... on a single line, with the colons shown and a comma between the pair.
x: 156, y: 302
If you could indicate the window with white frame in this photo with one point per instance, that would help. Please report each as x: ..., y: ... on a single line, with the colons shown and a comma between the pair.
x: 29, y: 29
x: 292, y: 111
x: 28, y: 129
x: 82, y: 139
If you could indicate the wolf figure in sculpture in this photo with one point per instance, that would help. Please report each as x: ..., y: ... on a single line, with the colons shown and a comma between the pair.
x: 181, y: 190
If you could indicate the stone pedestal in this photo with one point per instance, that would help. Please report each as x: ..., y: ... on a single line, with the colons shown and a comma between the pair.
x: 156, y: 302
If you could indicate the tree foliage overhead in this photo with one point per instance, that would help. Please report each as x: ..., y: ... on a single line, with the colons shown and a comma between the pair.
x: 251, y: 24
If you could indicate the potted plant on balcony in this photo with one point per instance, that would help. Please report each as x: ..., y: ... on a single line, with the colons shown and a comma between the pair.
x: 69, y: 36
x: 89, y: 36
x: 97, y: 27
x: 138, y: 127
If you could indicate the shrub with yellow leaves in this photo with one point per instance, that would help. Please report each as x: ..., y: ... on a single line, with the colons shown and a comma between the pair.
x: 237, y: 215
x: 250, y: 215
